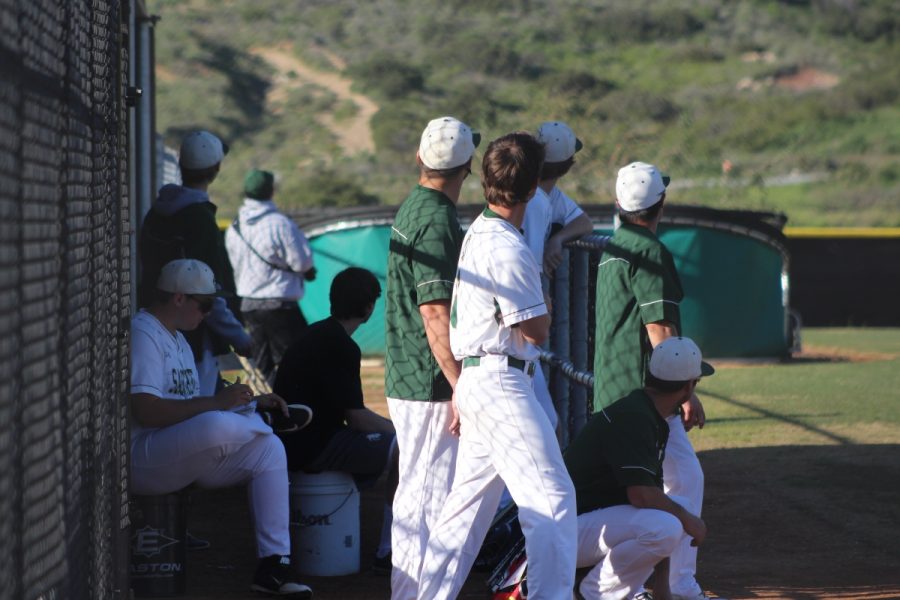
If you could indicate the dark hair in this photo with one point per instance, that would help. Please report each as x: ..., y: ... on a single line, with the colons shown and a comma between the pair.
x: 511, y: 168
x: 352, y: 291
x: 644, y: 215
x: 663, y: 385
x: 553, y: 170
x: 191, y: 177
x: 446, y: 173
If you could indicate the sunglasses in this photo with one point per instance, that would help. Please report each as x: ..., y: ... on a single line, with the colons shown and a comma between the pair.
x: 204, y: 303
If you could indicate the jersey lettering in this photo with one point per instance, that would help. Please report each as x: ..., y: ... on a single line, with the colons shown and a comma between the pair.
x: 182, y: 383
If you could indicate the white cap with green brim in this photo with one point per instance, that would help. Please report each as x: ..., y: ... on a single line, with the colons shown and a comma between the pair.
x: 447, y: 143
x: 678, y: 359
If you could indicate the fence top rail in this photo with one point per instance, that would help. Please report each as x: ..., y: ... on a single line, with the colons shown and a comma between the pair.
x: 592, y: 241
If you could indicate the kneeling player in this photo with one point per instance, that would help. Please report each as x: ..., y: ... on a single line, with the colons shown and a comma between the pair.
x: 627, y: 525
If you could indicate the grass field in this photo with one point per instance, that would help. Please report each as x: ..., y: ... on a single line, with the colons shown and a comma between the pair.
x: 802, y: 466
x: 843, y: 389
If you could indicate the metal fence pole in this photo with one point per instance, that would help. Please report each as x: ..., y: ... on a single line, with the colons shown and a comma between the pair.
x: 559, y: 344
x: 579, y: 322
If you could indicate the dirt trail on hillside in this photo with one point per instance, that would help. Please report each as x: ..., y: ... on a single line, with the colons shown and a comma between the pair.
x: 355, y: 133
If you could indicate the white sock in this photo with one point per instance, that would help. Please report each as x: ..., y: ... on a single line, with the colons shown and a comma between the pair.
x: 384, y: 543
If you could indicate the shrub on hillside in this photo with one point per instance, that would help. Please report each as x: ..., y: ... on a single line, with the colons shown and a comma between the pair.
x: 579, y: 83
x: 386, y: 77
x: 634, y: 106
x: 326, y: 188
x: 629, y: 25
x: 867, y: 21
x: 396, y: 130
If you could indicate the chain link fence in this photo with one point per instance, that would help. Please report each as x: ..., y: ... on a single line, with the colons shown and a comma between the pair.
x: 64, y: 298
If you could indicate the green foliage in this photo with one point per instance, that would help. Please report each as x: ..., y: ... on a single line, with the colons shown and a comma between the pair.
x: 326, y: 188
x: 386, y: 77
x: 666, y: 81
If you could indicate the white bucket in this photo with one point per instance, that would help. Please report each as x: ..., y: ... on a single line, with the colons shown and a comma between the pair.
x: 324, y: 523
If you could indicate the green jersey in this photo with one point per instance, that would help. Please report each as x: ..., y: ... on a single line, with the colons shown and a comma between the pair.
x: 622, y: 445
x: 424, y: 249
x: 637, y: 284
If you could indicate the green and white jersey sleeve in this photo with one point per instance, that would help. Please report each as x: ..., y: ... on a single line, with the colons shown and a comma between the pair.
x: 497, y: 286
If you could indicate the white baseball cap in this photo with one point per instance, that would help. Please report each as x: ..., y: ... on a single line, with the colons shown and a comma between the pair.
x: 187, y: 276
x: 201, y: 150
x: 678, y: 359
x: 639, y: 186
x: 447, y: 143
x: 559, y: 141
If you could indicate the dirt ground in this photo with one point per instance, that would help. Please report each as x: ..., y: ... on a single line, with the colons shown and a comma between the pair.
x: 792, y: 522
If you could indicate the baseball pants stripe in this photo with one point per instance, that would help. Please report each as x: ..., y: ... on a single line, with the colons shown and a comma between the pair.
x: 219, y: 449
x: 623, y: 543
x: 427, y: 455
x: 683, y: 477
x: 506, y: 438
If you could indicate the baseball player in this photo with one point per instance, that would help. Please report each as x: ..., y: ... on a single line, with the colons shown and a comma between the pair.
x: 566, y: 221
x: 552, y: 219
x: 498, y: 317
x: 179, y: 437
x: 420, y: 371
x: 627, y: 525
x: 638, y: 293
x: 182, y: 224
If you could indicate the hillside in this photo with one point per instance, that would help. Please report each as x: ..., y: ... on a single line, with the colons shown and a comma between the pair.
x: 789, y: 105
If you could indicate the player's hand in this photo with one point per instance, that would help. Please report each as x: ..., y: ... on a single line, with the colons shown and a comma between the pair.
x: 696, y: 528
x: 233, y: 395
x: 552, y: 255
x: 272, y: 402
x: 454, y: 422
x: 692, y: 413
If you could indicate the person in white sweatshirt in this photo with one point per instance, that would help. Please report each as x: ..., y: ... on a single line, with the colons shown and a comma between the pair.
x: 271, y: 259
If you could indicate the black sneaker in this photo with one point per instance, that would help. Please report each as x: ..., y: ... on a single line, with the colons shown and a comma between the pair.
x: 383, y: 565
x: 274, y: 577
x: 301, y: 415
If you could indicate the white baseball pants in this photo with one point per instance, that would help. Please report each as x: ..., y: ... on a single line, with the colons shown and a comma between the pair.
x: 683, y: 477
x: 624, y: 543
x: 506, y: 438
x: 220, y: 449
x: 427, y: 454
x: 542, y: 393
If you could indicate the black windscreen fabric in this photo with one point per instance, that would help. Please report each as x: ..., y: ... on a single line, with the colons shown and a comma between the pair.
x: 64, y: 298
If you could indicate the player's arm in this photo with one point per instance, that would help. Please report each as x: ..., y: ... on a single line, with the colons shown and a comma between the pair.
x: 436, y: 320
x: 363, y: 419
x: 649, y: 496
x: 152, y: 411
x: 536, y: 329
x: 298, y: 254
x: 578, y: 227
x: 660, y: 331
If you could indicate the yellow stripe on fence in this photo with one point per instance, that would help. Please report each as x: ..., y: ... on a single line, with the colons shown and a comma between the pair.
x: 842, y: 232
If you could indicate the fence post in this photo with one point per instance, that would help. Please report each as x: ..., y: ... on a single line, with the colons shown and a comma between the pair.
x: 579, y: 322
x: 559, y: 345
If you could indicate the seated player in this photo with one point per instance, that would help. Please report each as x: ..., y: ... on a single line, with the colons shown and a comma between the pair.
x: 627, y: 526
x: 321, y: 370
x: 179, y: 438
